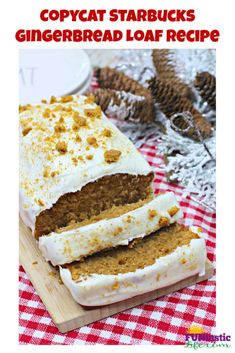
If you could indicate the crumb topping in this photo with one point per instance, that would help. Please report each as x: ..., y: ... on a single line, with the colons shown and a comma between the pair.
x: 107, y: 133
x: 112, y: 156
x: 89, y: 99
x: 89, y: 156
x: 173, y: 210
x: 152, y: 214
x: 93, y: 113
x: 26, y: 130
x: 92, y: 141
x: 62, y: 147
x: 66, y: 99
x: 164, y: 222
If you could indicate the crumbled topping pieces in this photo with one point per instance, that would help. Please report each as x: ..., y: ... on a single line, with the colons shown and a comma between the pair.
x: 46, y: 173
x: 79, y: 121
x: 89, y: 99
x: 78, y: 138
x: 26, y: 130
x: 53, y: 100
x: 75, y: 161
x: 44, y: 101
x: 112, y: 156
x: 89, y: 156
x: 163, y: 222
x: 46, y: 113
x: 40, y: 203
x: 173, y: 210
x: 183, y: 261
x: 117, y: 231
x: 61, y: 147
x: 23, y: 108
x: 107, y: 133
x: 152, y: 214
x: 93, y: 113
x: 59, y: 128
x: 115, y: 286
x: 66, y: 99
x: 92, y: 141
x: 53, y: 174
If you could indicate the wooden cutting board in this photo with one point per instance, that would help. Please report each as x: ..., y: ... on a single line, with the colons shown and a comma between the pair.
x: 65, y: 312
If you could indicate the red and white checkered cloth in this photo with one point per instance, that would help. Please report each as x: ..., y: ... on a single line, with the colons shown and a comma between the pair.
x: 161, y: 321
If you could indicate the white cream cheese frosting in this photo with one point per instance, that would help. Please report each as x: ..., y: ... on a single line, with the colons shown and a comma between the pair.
x: 96, y: 290
x: 71, y: 245
x: 62, y: 148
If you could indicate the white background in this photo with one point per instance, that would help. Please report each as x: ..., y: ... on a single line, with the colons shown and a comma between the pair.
x: 25, y: 14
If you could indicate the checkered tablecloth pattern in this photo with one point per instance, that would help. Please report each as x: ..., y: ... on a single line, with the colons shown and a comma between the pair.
x: 161, y: 321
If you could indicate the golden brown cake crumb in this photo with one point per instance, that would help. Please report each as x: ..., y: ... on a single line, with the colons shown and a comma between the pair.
x: 23, y: 108
x: 112, y: 156
x: 44, y: 101
x: 40, y: 202
x: 61, y: 147
x: 66, y: 99
x: 107, y: 133
x: 59, y: 128
x: 163, y: 222
x: 53, y: 100
x: 26, y: 131
x: 89, y: 156
x: 34, y: 263
x: 142, y: 253
x: 92, y: 141
x: 78, y: 138
x: 93, y: 113
x: 173, y: 210
x: 90, y: 99
x: 152, y: 214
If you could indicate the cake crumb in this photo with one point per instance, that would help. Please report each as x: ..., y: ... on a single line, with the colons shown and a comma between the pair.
x: 183, y: 261
x: 152, y: 214
x: 34, y: 263
x: 93, y: 113
x: 44, y: 101
x: 163, y: 222
x: 66, y: 99
x: 89, y: 99
x: 117, y: 231
x: 23, y: 108
x: 107, y: 133
x: 92, y: 141
x: 173, y: 210
x: 75, y: 161
x: 53, y: 174
x: 112, y: 156
x: 61, y: 147
x: 59, y: 128
x: 47, y: 113
x: 53, y: 100
x: 89, y: 156
x: 78, y: 138
x: 40, y: 203
x: 26, y: 131
x: 115, y: 286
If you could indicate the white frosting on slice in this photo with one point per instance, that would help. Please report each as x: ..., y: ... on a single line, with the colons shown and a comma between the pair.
x: 71, y: 245
x: 49, y: 170
x: 97, y: 290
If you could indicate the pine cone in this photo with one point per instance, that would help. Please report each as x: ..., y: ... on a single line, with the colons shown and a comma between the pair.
x: 205, y: 83
x: 125, y: 105
x: 166, y: 71
x: 114, y: 79
x: 171, y: 103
